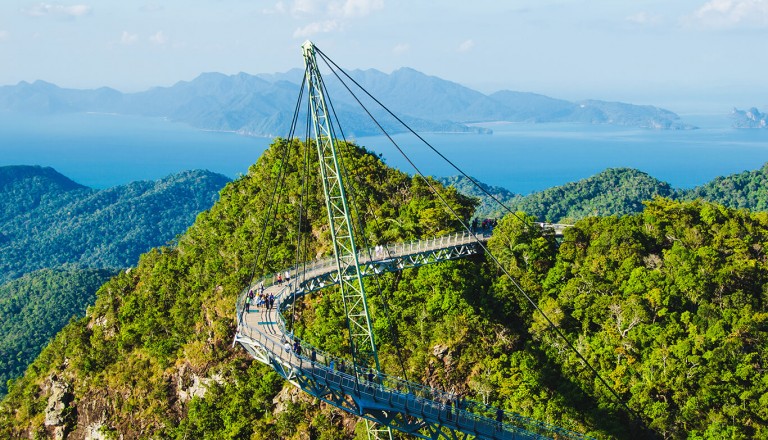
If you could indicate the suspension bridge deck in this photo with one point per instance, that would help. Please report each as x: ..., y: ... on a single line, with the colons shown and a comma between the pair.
x: 413, y: 408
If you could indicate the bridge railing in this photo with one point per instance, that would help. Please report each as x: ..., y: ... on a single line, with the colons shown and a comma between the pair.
x: 371, y: 254
x: 427, y: 400
x: 406, y: 396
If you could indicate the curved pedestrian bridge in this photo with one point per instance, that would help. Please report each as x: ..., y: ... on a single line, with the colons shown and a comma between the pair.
x: 421, y: 411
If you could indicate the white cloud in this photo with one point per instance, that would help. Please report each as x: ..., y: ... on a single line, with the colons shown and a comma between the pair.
x: 43, y: 9
x: 4, y: 35
x: 333, y: 14
x: 356, y: 8
x: 305, y: 7
x: 129, y: 38
x: 159, y: 38
x: 644, y: 19
x: 401, y: 48
x: 732, y: 13
x: 466, y: 46
x: 318, y: 27
x: 278, y: 8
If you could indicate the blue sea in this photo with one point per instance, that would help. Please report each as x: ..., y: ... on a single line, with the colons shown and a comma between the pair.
x: 102, y: 150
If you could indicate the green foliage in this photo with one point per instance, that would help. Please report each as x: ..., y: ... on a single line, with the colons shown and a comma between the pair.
x: 744, y: 190
x: 234, y: 409
x: 35, y: 307
x: 47, y: 220
x: 172, y: 316
x: 669, y: 305
x: 488, y: 208
x: 618, y: 191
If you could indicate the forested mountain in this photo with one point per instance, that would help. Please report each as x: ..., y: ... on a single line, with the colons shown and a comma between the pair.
x: 743, y: 190
x: 48, y: 220
x: 24, y: 188
x: 80, y: 235
x: 488, y: 208
x: 669, y: 305
x: 35, y: 307
x: 255, y: 104
x: 617, y: 191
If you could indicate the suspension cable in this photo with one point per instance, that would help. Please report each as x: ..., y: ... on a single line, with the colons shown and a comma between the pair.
x: 271, y: 204
x: 466, y: 227
x: 361, y: 233
x: 301, y: 247
x: 527, y: 223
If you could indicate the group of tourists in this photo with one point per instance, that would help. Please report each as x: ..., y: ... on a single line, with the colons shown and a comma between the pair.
x: 261, y: 298
x: 484, y: 225
x: 380, y: 251
x: 280, y: 278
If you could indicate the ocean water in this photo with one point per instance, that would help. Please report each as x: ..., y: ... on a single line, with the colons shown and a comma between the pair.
x: 525, y: 158
x: 101, y: 150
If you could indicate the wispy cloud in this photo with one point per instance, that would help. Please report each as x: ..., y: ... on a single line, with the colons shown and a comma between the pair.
x: 299, y: 7
x: 4, y: 35
x: 723, y: 14
x: 401, y: 48
x: 644, y: 19
x: 128, y: 38
x: 278, y: 8
x: 159, y: 38
x: 356, y: 8
x: 334, y: 14
x: 43, y: 9
x: 466, y: 46
x: 318, y: 27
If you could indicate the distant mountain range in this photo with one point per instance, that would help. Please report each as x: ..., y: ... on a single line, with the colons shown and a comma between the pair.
x: 262, y: 105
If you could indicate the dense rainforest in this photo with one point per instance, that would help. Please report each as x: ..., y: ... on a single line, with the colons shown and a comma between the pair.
x: 669, y: 306
x: 47, y: 220
x: 59, y: 241
x: 615, y: 191
x: 35, y: 307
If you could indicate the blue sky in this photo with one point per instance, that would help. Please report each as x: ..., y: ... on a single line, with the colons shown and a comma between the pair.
x: 683, y: 54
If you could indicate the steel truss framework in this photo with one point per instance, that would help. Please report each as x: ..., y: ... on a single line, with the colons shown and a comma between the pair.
x: 387, y: 402
x: 390, y: 402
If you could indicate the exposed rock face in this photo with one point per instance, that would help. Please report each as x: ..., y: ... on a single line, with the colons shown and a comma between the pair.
x: 95, y: 432
x: 56, y: 410
x: 751, y: 118
x: 287, y: 394
x: 189, y: 384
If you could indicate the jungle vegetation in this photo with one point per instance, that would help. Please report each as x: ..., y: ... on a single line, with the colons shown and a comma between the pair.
x: 668, y: 305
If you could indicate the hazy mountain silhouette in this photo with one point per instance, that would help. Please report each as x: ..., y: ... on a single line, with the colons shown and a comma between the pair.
x: 263, y: 104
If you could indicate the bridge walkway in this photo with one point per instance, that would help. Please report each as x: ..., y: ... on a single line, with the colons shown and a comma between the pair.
x: 409, y: 407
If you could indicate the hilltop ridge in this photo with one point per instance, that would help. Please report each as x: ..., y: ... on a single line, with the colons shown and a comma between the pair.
x: 154, y: 355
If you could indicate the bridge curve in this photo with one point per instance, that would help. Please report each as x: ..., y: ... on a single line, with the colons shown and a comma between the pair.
x: 413, y: 408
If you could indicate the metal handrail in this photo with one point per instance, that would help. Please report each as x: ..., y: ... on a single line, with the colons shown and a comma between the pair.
x: 471, y: 410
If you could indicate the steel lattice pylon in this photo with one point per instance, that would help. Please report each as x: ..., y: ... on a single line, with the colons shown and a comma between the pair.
x: 361, y: 340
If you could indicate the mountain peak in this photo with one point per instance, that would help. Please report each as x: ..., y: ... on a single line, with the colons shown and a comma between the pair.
x: 13, y: 174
